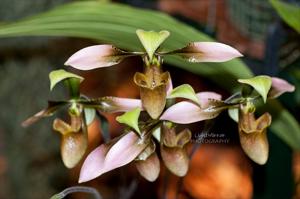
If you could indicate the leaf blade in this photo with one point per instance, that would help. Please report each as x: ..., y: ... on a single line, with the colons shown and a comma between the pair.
x: 289, y: 13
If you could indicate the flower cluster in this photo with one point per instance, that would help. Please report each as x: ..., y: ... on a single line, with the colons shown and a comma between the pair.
x: 157, y: 130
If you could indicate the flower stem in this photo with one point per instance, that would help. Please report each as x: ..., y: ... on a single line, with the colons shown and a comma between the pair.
x: 75, y: 189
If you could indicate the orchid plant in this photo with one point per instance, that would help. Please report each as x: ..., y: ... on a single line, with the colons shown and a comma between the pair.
x: 157, y: 129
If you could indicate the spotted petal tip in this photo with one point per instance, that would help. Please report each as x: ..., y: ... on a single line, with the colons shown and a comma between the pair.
x: 97, y: 56
x: 207, y: 52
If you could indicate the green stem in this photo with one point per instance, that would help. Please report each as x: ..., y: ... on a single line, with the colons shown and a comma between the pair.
x: 149, y: 129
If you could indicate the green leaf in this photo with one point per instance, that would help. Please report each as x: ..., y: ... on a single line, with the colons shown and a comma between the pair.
x: 184, y: 91
x: 288, y: 12
x: 284, y: 125
x: 261, y: 84
x: 60, y: 75
x: 131, y: 118
x: 90, y: 114
x: 108, y: 22
x: 151, y: 40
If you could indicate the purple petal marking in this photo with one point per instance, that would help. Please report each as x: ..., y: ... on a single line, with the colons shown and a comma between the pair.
x: 205, y: 96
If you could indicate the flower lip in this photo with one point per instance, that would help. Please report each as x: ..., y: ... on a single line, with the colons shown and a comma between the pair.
x: 253, y: 137
x: 153, y: 89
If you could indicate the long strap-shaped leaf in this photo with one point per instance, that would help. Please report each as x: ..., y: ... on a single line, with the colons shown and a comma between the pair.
x: 108, y: 22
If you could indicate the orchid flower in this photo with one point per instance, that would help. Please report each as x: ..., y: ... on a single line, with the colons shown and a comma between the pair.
x: 106, y: 55
x: 265, y: 87
x: 119, y: 151
x: 74, y: 136
x: 252, y: 132
x: 157, y: 98
x: 152, y: 82
x: 141, y: 146
x: 81, y: 111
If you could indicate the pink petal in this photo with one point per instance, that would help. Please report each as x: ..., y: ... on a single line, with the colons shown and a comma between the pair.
x: 124, y: 151
x: 169, y: 86
x: 106, y: 157
x: 212, y: 52
x: 95, y: 57
x: 185, y: 113
x: 205, y: 96
x: 280, y: 86
x: 126, y: 104
x: 93, y: 165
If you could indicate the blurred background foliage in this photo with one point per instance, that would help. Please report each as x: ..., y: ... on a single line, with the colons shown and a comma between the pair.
x: 30, y: 165
x: 25, y: 64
